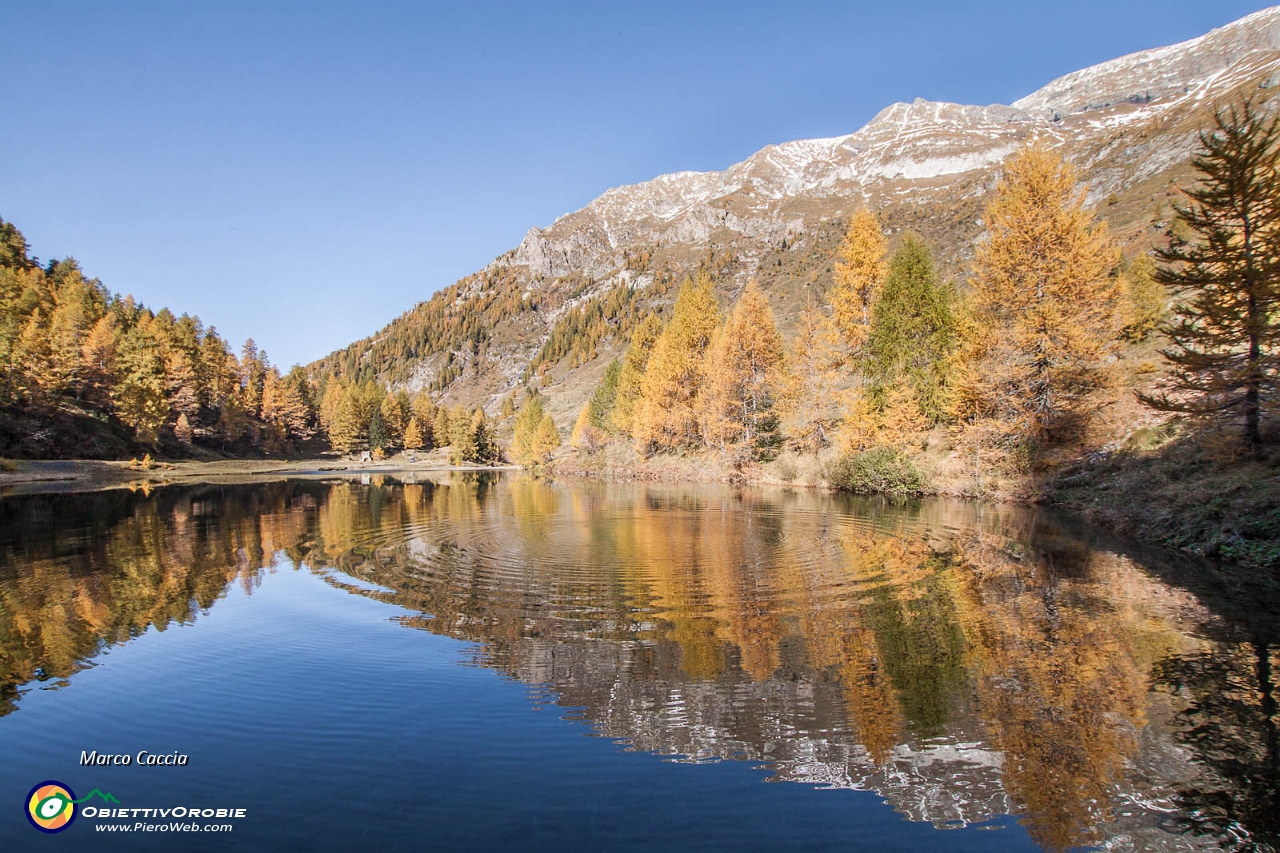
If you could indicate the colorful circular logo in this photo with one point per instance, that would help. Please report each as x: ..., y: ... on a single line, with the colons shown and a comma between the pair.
x: 51, y: 806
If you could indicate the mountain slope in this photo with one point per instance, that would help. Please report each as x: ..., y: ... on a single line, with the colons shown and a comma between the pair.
x: 556, y: 307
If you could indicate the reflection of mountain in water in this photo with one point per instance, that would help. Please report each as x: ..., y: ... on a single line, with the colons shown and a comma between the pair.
x: 962, y: 662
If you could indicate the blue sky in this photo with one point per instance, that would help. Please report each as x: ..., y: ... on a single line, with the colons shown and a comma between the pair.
x: 302, y: 174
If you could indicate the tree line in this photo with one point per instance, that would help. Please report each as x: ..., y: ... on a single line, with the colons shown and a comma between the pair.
x: 69, y: 346
x: 1012, y: 362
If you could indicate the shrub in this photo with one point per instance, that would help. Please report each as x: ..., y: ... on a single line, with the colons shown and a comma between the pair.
x: 878, y: 470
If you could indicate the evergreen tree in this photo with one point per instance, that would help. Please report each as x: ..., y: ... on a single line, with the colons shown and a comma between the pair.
x: 913, y: 332
x: 1043, y: 298
x: 378, y: 438
x: 859, y: 271
x: 1225, y: 336
x: 667, y: 415
x: 484, y: 440
x: 604, y: 400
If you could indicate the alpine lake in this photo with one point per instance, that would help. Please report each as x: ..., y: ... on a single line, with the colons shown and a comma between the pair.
x: 481, y: 661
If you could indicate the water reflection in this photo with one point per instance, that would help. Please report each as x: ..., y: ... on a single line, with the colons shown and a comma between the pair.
x: 964, y: 662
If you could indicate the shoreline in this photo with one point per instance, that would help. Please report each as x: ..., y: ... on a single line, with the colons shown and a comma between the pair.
x: 1165, y: 520
x: 34, y: 476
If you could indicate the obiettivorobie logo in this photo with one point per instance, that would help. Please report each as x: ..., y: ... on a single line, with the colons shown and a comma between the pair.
x: 51, y: 805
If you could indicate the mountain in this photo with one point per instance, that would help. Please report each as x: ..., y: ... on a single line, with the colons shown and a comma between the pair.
x: 554, y: 310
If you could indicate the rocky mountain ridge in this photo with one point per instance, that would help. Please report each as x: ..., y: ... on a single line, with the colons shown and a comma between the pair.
x: 1129, y: 125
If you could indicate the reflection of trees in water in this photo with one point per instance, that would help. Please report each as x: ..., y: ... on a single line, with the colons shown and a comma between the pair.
x: 1061, y: 689
x: 1228, y: 719
x: 80, y: 572
x: 946, y: 655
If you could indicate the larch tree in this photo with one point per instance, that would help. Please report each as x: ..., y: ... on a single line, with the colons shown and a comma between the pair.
x: 545, y: 439
x: 631, y: 375
x: 425, y: 411
x: 413, y: 439
x: 584, y: 435
x: 138, y: 392
x: 1044, y: 301
x: 462, y: 436
x: 745, y: 377
x: 394, y: 416
x: 815, y: 360
x: 1144, y: 301
x: 442, y: 428
x: 859, y: 271
x: 667, y: 414
x: 528, y: 419
x: 1225, y: 335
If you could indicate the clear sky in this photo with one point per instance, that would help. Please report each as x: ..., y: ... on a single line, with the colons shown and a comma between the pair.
x: 304, y: 173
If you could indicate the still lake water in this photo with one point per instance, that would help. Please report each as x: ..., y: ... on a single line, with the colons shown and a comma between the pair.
x: 496, y: 663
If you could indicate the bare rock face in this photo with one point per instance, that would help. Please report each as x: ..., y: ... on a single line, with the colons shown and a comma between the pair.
x: 1129, y: 125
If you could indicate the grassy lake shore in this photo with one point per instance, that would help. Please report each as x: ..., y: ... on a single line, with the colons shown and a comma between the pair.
x: 76, y: 475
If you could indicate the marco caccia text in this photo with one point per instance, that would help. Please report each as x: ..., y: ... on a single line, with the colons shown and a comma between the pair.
x: 142, y: 759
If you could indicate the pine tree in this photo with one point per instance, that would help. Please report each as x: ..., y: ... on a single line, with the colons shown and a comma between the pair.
x: 378, y: 438
x: 604, y: 400
x: 745, y: 376
x: 485, y: 442
x: 667, y: 415
x: 632, y: 374
x: 1044, y: 300
x: 859, y: 272
x: 1225, y: 336
x: 913, y: 333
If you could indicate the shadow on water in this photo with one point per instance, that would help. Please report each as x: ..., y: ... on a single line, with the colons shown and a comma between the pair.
x: 963, y: 661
